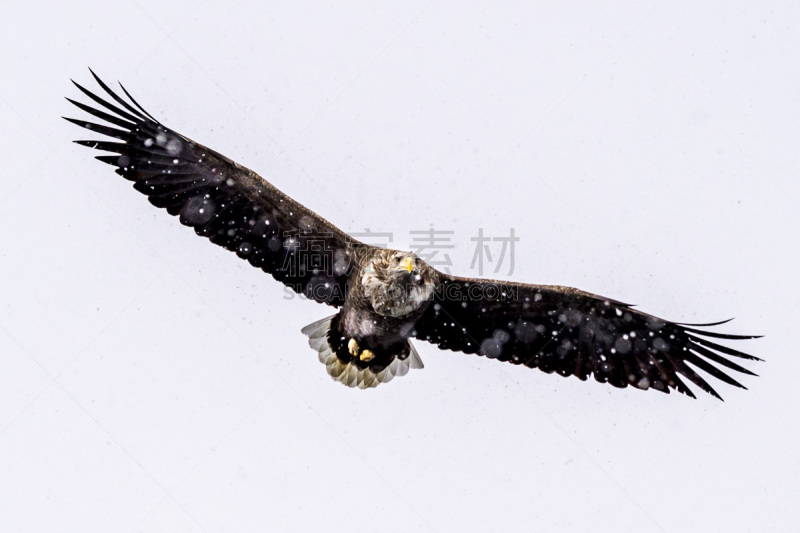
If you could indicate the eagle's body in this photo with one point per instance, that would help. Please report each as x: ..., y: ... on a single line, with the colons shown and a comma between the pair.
x: 368, y: 341
x: 388, y: 297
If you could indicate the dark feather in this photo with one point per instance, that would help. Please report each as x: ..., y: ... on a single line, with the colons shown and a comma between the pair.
x: 116, y: 97
x: 722, y: 349
x: 102, y: 130
x: 136, y: 103
x: 223, y: 201
x: 111, y: 119
x: 571, y: 332
x: 105, y: 104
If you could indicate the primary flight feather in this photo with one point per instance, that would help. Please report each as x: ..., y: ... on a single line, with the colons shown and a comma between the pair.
x: 386, y: 297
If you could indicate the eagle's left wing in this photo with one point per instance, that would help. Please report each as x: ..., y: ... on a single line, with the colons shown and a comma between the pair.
x: 227, y: 203
x: 574, y: 333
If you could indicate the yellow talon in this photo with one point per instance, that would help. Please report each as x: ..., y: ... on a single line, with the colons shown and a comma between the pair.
x: 352, y: 346
x: 367, y: 356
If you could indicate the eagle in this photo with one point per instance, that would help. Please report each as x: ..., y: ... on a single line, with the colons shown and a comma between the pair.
x: 385, y: 298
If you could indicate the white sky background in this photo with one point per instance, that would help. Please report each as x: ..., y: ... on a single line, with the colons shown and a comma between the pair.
x: 646, y: 151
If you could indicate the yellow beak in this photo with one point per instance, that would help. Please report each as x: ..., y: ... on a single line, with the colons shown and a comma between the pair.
x: 407, y: 264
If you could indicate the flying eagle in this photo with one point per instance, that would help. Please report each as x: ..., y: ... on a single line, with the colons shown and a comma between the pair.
x: 387, y: 297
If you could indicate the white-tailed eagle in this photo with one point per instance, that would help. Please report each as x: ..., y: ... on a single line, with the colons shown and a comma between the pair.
x: 386, y: 297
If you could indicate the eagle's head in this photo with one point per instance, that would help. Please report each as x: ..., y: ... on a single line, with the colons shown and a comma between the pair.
x: 397, y: 283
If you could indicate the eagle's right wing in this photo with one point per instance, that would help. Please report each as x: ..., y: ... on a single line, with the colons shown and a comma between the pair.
x: 227, y: 203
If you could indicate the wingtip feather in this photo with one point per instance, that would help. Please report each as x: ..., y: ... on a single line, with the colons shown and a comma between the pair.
x: 132, y: 99
x: 707, y: 324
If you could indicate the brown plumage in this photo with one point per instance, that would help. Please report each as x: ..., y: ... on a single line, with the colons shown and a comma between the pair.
x: 387, y: 297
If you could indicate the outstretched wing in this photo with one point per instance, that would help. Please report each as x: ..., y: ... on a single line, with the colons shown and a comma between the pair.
x: 227, y: 203
x: 574, y: 333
